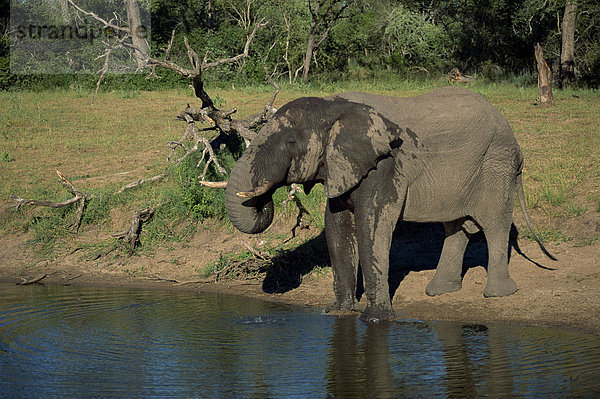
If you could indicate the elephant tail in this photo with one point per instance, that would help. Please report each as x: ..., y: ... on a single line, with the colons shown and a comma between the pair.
x: 521, y: 195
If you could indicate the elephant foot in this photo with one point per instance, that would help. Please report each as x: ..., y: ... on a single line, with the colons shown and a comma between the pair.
x: 377, y: 313
x: 500, y: 287
x: 343, y: 307
x: 439, y: 286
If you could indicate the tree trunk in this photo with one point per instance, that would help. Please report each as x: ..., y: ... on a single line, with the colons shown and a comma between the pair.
x: 567, y: 65
x: 310, y: 46
x: 64, y: 11
x: 544, y: 77
x: 138, y: 33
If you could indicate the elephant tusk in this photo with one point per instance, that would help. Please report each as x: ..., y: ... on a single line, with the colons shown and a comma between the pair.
x: 214, y: 184
x: 260, y: 190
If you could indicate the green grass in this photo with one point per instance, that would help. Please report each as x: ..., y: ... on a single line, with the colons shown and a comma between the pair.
x: 123, y: 138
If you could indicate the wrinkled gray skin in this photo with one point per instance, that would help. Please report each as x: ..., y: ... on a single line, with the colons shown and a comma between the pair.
x: 446, y: 156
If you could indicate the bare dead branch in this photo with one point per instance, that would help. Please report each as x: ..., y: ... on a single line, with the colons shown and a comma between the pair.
x: 206, y: 65
x: 131, y: 236
x: 214, y: 184
x: 79, y: 215
x: 192, y: 56
x: 269, y: 107
x: 33, y: 280
x: 192, y: 134
x: 292, y: 196
x: 99, y: 19
x: 171, y: 66
x: 255, y: 253
x: 67, y: 183
x: 212, y: 158
x: 170, y: 46
x: 78, y: 197
x: 455, y: 76
x: 21, y: 202
x: 288, y: 28
x: 106, y: 55
x: 139, y: 182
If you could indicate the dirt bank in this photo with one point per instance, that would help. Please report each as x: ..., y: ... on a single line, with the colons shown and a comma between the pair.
x: 562, y: 293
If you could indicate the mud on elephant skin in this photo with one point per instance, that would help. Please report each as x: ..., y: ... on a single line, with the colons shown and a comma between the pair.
x: 446, y: 156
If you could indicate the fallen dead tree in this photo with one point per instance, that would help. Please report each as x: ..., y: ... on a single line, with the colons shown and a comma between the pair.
x: 79, y: 198
x: 222, y: 127
x: 455, y: 76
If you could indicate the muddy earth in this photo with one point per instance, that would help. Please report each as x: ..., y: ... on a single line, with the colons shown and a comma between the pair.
x: 563, y: 293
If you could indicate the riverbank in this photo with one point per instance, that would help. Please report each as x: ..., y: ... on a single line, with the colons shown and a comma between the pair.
x: 562, y: 293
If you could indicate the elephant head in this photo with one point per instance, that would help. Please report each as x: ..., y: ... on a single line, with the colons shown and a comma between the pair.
x: 309, y: 140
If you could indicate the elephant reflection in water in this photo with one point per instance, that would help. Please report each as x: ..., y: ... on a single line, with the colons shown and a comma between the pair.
x: 364, y: 366
x: 459, y: 371
x: 360, y: 368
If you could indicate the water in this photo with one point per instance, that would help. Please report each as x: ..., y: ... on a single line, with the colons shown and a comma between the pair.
x: 68, y: 342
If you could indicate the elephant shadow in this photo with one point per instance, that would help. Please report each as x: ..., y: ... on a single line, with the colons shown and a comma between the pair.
x: 415, y: 247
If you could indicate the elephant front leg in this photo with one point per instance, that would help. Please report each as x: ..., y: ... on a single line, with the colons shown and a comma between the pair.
x: 340, y: 232
x: 374, y: 229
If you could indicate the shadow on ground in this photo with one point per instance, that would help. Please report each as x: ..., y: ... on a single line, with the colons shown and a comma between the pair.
x: 415, y: 247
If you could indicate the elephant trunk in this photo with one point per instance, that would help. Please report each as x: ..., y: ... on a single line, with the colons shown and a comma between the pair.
x: 249, y: 211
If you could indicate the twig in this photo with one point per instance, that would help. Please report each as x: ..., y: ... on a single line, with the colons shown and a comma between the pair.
x: 106, y: 55
x: 141, y: 181
x: 291, y: 196
x: 177, y: 282
x: 254, y: 252
x: 97, y: 18
x: 67, y: 183
x: 207, y: 65
x: 192, y: 133
x: 33, y: 280
x: 269, y: 107
x: 104, y: 252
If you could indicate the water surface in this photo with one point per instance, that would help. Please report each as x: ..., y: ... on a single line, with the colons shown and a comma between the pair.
x: 64, y: 341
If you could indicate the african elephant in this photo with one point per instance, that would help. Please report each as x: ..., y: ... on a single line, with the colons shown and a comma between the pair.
x: 446, y: 156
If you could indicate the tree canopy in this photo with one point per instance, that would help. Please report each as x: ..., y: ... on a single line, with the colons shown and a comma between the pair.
x: 358, y: 38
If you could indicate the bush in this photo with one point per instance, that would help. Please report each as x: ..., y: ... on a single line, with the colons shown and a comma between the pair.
x: 414, y: 41
x: 200, y: 201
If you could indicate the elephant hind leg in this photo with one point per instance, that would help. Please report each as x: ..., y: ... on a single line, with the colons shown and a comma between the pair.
x: 499, y: 282
x: 448, y: 273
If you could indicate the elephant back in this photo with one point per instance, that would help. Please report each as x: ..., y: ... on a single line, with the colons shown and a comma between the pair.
x: 444, y: 119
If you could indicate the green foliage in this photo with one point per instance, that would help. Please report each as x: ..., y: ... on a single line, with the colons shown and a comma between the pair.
x: 97, y: 210
x: 203, y: 202
x: 409, y: 38
x: 5, y: 157
x: 411, y: 41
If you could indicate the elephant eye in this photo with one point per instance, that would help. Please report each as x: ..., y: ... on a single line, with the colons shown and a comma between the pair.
x: 291, y: 141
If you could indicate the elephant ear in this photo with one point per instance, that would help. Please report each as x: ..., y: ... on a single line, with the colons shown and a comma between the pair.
x: 357, y: 141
